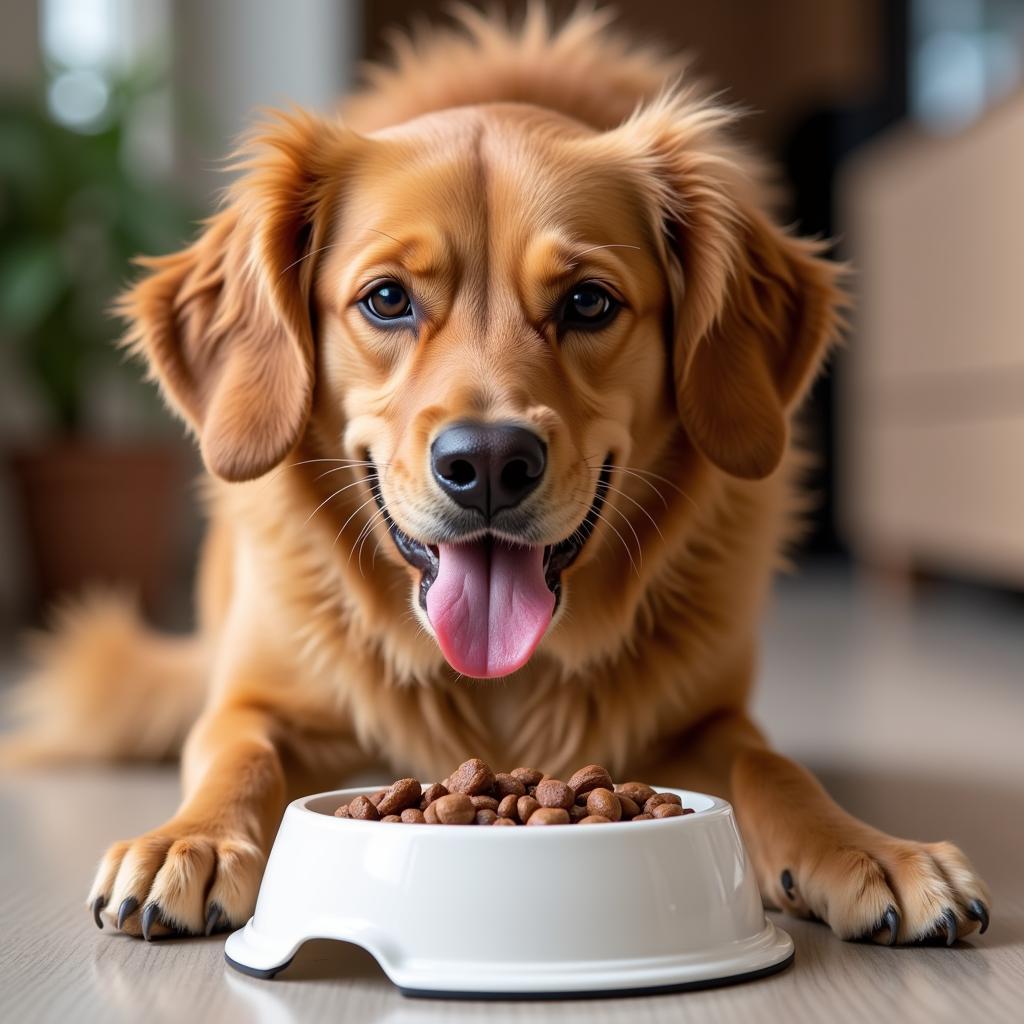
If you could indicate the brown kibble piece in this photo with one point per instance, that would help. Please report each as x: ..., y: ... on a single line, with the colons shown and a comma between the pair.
x: 629, y: 807
x: 527, y: 776
x: 638, y: 792
x: 474, y: 794
x: 433, y: 792
x: 507, y: 807
x: 555, y: 793
x: 472, y: 777
x: 667, y: 811
x: 549, y: 816
x: 661, y: 798
x: 525, y: 806
x: 363, y: 808
x: 506, y: 784
x: 454, y: 809
x: 593, y: 776
x: 604, y: 803
x: 400, y: 795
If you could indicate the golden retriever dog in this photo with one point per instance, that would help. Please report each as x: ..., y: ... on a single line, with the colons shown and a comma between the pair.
x: 492, y: 376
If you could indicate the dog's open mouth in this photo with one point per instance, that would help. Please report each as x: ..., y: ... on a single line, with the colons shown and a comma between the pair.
x: 488, y: 600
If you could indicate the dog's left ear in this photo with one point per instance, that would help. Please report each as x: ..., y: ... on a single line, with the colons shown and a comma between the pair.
x: 740, y: 379
x: 755, y: 309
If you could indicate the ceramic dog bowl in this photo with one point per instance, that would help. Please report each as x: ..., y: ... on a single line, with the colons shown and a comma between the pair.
x: 517, y: 912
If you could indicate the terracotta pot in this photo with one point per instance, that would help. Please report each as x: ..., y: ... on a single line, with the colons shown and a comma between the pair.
x: 96, y: 512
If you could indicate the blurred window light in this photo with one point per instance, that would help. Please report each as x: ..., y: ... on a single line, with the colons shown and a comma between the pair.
x: 965, y: 55
x: 950, y: 80
x: 91, y: 49
x: 80, y: 33
x: 79, y: 39
x: 79, y: 98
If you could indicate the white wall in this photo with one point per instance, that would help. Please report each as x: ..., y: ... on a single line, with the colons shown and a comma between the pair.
x: 235, y: 56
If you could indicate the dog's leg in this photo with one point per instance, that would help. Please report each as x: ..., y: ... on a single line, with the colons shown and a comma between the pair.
x: 201, y: 870
x: 813, y: 859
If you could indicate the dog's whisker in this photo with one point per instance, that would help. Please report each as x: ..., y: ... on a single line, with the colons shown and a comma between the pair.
x: 306, y: 462
x: 648, y: 483
x: 368, y: 525
x: 362, y: 545
x: 295, y: 263
x: 344, y: 525
x: 339, y: 469
x: 376, y: 552
x: 630, y: 498
x: 611, y: 526
x: 367, y: 532
x: 626, y: 520
x: 386, y: 235
x: 364, y: 532
x: 641, y: 473
x: 340, y: 490
x: 594, y: 248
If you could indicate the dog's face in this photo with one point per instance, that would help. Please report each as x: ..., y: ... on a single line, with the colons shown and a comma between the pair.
x: 492, y: 339
x: 502, y: 315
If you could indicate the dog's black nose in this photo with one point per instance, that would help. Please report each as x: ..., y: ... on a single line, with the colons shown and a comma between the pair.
x: 488, y: 466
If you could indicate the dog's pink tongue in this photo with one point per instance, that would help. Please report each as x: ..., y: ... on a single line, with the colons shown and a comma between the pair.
x: 489, y: 606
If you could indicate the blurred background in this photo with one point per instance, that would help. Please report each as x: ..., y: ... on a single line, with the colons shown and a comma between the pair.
x: 899, y: 128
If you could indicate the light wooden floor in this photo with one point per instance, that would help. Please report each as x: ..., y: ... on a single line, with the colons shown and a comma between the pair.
x: 915, y: 722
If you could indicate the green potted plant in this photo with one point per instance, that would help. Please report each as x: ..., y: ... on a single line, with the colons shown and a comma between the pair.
x: 73, y: 213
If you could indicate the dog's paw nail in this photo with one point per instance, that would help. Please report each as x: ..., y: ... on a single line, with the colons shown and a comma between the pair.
x: 127, y: 908
x: 150, y: 914
x: 100, y: 902
x: 977, y: 911
x: 212, y: 918
x: 787, y: 883
x: 948, y: 923
x: 891, y: 919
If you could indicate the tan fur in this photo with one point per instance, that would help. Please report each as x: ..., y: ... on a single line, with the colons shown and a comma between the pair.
x: 106, y: 686
x: 541, y: 158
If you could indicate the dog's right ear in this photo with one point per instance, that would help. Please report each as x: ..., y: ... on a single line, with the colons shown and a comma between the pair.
x: 225, y: 324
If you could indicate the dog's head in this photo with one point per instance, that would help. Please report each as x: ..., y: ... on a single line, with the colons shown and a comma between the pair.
x: 510, y: 320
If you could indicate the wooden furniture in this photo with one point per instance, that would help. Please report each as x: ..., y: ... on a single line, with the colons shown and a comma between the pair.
x: 932, y: 418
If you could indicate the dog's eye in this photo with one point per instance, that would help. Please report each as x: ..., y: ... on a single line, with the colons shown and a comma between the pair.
x: 388, y: 301
x: 587, y: 307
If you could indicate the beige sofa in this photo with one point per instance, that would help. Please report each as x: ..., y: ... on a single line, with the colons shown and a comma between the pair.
x: 932, y: 400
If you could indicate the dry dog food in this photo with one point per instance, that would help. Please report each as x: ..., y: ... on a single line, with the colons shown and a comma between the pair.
x: 475, y: 795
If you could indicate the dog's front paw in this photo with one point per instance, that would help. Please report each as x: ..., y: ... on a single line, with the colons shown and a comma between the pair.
x: 872, y: 886
x: 181, y: 879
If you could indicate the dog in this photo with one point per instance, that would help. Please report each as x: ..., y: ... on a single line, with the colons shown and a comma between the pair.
x: 492, y: 376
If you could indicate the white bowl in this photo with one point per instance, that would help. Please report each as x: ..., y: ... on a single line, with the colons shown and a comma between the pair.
x: 651, y: 905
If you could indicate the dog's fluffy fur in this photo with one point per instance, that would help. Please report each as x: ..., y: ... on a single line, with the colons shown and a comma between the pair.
x: 486, y: 162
